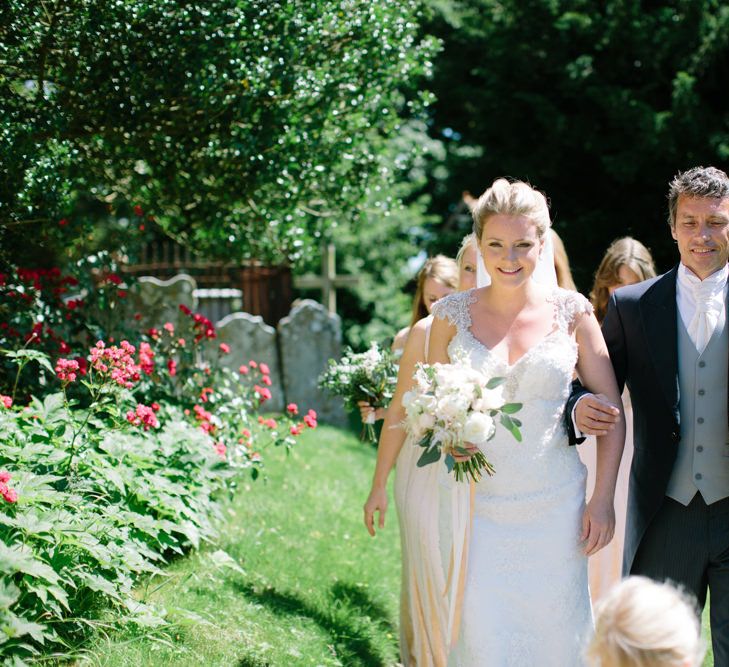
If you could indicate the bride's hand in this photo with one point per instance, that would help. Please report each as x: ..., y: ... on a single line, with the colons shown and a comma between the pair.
x: 377, y: 502
x: 598, y: 525
x: 459, y: 457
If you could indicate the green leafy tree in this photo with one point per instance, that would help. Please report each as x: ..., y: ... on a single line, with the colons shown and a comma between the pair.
x: 597, y: 103
x: 244, y: 126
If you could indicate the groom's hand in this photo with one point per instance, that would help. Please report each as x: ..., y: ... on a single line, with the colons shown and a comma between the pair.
x: 595, y: 414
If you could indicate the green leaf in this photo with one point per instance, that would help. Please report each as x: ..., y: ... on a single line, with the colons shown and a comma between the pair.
x: 495, y: 382
x: 429, y: 456
x: 9, y: 593
x: 221, y: 559
x: 511, y: 408
x: 20, y: 558
x: 509, y: 424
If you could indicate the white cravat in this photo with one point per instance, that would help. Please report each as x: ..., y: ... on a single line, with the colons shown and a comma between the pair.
x: 700, y: 303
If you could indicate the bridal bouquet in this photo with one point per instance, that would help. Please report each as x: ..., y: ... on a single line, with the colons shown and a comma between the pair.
x: 365, y: 376
x: 452, y: 405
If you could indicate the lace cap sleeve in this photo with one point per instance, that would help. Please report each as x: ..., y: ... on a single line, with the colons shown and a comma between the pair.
x: 570, y: 305
x: 454, y: 308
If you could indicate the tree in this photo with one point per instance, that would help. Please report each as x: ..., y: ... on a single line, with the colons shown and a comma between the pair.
x: 244, y: 126
x: 598, y: 104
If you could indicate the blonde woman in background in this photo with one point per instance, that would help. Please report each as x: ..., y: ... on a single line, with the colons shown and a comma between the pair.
x: 626, y: 262
x: 641, y: 623
x: 422, y: 503
x: 437, y: 278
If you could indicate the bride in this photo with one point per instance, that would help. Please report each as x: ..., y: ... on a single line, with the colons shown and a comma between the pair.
x: 526, y: 599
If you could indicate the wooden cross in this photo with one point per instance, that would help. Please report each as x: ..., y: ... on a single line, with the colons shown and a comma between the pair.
x: 328, y: 281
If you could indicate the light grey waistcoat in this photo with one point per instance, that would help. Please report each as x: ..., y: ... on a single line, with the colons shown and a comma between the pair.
x: 702, y: 462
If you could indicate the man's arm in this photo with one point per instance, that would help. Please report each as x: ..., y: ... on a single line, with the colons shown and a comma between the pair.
x: 593, y: 414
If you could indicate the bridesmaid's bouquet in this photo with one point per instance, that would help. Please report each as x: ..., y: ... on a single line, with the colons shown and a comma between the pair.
x: 364, y: 376
x: 453, y: 405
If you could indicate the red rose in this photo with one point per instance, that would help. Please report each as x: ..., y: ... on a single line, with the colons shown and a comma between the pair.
x: 138, y: 210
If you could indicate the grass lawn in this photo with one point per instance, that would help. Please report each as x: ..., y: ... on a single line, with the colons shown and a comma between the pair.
x: 305, y: 584
x: 308, y: 586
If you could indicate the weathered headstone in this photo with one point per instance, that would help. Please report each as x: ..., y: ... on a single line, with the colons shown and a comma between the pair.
x: 158, y: 301
x: 308, y: 337
x: 249, y: 337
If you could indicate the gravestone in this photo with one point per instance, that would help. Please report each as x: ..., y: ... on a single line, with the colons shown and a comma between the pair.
x: 308, y: 337
x: 158, y: 301
x: 249, y: 337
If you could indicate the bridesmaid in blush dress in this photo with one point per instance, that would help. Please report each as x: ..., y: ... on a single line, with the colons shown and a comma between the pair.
x: 626, y: 262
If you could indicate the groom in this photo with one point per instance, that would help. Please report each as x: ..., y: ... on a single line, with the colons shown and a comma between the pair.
x: 668, y: 340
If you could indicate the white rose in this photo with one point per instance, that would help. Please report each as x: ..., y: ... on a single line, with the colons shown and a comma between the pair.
x: 425, y: 422
x: 491, y: 399
x: 478, y: 428
x: 451, y: 406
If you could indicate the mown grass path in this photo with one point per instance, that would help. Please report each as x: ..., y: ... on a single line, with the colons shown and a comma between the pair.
x: 306, y: 585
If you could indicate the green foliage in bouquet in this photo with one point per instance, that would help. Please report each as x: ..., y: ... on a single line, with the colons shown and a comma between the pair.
x: 362, y: 376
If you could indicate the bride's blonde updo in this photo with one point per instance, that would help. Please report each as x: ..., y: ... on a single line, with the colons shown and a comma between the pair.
x: 511, y: 198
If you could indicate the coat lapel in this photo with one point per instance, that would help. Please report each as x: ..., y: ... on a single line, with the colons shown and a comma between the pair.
x: 658, y: 311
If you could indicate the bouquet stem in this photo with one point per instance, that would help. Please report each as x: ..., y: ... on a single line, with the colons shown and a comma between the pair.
x: 473, y: 468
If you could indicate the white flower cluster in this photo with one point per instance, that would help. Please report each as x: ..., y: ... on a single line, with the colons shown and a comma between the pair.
x: 451, y: 405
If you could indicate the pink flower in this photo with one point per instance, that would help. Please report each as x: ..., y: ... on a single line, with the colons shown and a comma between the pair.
x: 201, y: 414
x: 253, y: 364
x: 155, y: 407
x: 271, y: 423
x: 310, y: 421
x: 66, y: 369
x: 266, y: 380
x: 143, y: 416
x: 172, y: 367
x: 4, y: 476
x: 220, y: 449
x: 11, y: 495
x: 243, y: 370
x: 146, y: 358
x: 224, y: 348
x: 117, y: 363
x: 292, y: 408
x: 6, y: 401
x: 246, y: 433
x: 312, y: 413
x: 263, y: 393
x: 297, y: 429
x: 169, y: 327
x: 264, y: 369
x: 181, y: 342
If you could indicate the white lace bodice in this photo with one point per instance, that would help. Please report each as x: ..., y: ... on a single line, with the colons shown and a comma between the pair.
x: 540, y: 380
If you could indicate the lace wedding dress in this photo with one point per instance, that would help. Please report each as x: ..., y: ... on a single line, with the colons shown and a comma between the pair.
x: 526, y: 598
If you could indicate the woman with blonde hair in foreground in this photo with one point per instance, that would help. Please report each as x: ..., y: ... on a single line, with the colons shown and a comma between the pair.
x: 642, y: 623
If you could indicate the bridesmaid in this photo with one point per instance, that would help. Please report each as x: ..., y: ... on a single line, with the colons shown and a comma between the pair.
x: 626, y: 262
x: 426, y: 593
x: 437, y: 278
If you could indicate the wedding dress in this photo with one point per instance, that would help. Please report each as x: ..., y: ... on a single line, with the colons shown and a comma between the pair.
x: 526, y: 599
